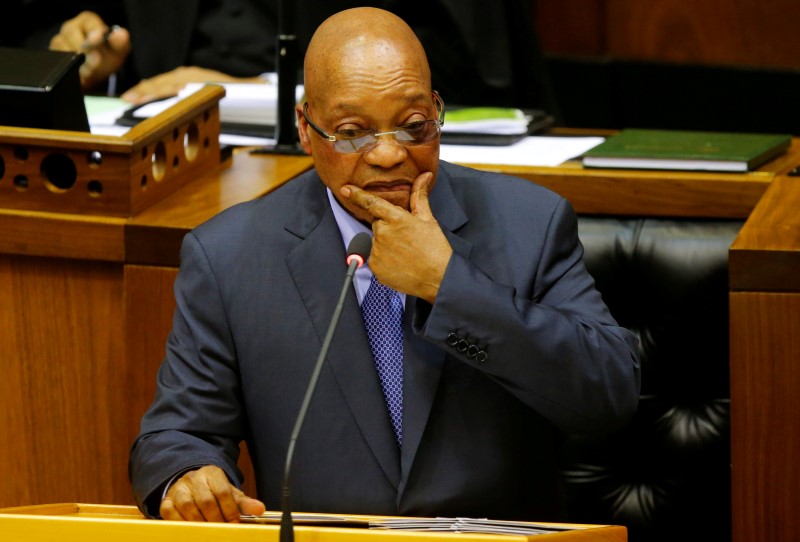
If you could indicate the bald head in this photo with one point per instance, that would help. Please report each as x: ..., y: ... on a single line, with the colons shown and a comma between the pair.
x: 363, y: 44
x: 365, y: 71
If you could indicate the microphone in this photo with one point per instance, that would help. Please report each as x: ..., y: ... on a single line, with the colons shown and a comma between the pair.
x: 357, y: 253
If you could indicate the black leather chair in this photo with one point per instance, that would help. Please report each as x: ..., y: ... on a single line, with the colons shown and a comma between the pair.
x: 666, y: 476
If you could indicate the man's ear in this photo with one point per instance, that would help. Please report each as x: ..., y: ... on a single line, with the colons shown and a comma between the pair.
x: 302, y: 129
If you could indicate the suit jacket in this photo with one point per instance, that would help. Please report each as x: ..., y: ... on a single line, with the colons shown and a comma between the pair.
x: 256, y: 290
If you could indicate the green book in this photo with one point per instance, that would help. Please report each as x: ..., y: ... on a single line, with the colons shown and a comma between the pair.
x: 682, y: 150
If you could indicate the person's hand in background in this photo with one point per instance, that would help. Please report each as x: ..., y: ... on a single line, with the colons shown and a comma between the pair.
x: 170, y: 83
x: 106, y: 48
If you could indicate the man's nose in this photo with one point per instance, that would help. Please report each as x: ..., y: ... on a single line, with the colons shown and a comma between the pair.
x: 388, y: 152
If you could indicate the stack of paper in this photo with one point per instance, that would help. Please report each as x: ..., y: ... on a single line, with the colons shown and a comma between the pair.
x: 247, y: 103
x: 299, y: 518
x: 244, y: 103
x: 486, y: 120
x: 468, y: 525
x: 453, y: 525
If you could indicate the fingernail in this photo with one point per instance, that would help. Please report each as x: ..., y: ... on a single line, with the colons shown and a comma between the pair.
x: 345, y: 191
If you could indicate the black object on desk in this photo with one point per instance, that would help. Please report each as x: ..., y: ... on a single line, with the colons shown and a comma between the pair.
x: 41, y: 89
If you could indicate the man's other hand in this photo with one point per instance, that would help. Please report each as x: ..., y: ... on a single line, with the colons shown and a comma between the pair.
x: 206, y: 494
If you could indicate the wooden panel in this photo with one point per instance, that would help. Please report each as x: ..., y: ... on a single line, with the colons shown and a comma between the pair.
x: 41, y: 176
x: 766, y: 254
x: 148, y: 317
x: 574, y: 27
x: 765, y: 416
x: 648, y: 193
x: 744, y: 32
x: 63, y: 386
x: 68, y: 236
x: 677, y: 30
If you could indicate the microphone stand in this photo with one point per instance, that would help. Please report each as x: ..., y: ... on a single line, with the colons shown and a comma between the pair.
x: 286, y: 140
x: 356, y: 259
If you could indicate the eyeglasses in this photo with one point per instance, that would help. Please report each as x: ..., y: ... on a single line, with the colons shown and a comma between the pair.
x: 413, y: 133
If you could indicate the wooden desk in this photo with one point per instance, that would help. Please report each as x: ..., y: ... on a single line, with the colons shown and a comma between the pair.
x: 86, y: 304
x: 765, y: 368
x: 102, y: 523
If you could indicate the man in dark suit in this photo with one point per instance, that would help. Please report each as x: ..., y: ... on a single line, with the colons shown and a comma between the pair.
x: 506, y: 343
x: 158, y: 46
x: 481, y: 53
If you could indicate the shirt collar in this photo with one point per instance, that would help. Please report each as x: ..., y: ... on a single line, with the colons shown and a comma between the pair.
x: 348, y: 228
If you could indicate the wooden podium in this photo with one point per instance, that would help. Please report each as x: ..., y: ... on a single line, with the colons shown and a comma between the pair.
x: 102, y: 523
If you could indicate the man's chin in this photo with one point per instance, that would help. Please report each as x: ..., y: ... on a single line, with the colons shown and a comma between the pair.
x: 402, y: 200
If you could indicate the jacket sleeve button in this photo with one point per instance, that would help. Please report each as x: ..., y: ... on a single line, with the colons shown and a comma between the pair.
x: 452, y: 339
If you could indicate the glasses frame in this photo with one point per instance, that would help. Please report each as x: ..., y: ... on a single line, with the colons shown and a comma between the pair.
x: 335, y: 138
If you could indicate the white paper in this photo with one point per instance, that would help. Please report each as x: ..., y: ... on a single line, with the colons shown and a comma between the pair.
x: 529, y: 151
x: 244, y: 103
x: 103, y: 113
x: 488, y: 126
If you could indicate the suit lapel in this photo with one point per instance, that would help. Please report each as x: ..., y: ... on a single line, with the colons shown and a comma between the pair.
x: 349, y: 357
x: 422, y: 367
x: 422, y: 360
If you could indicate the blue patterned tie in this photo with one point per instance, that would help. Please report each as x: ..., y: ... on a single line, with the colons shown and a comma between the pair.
x: 382, y: 309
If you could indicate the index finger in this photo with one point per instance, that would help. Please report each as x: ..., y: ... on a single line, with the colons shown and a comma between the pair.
x: 419, y: 195
x: 213, y: 494
x: 376, y: 206
x: 223, y: 492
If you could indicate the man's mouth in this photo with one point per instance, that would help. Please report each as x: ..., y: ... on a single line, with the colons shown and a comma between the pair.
x: 393, y: 186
